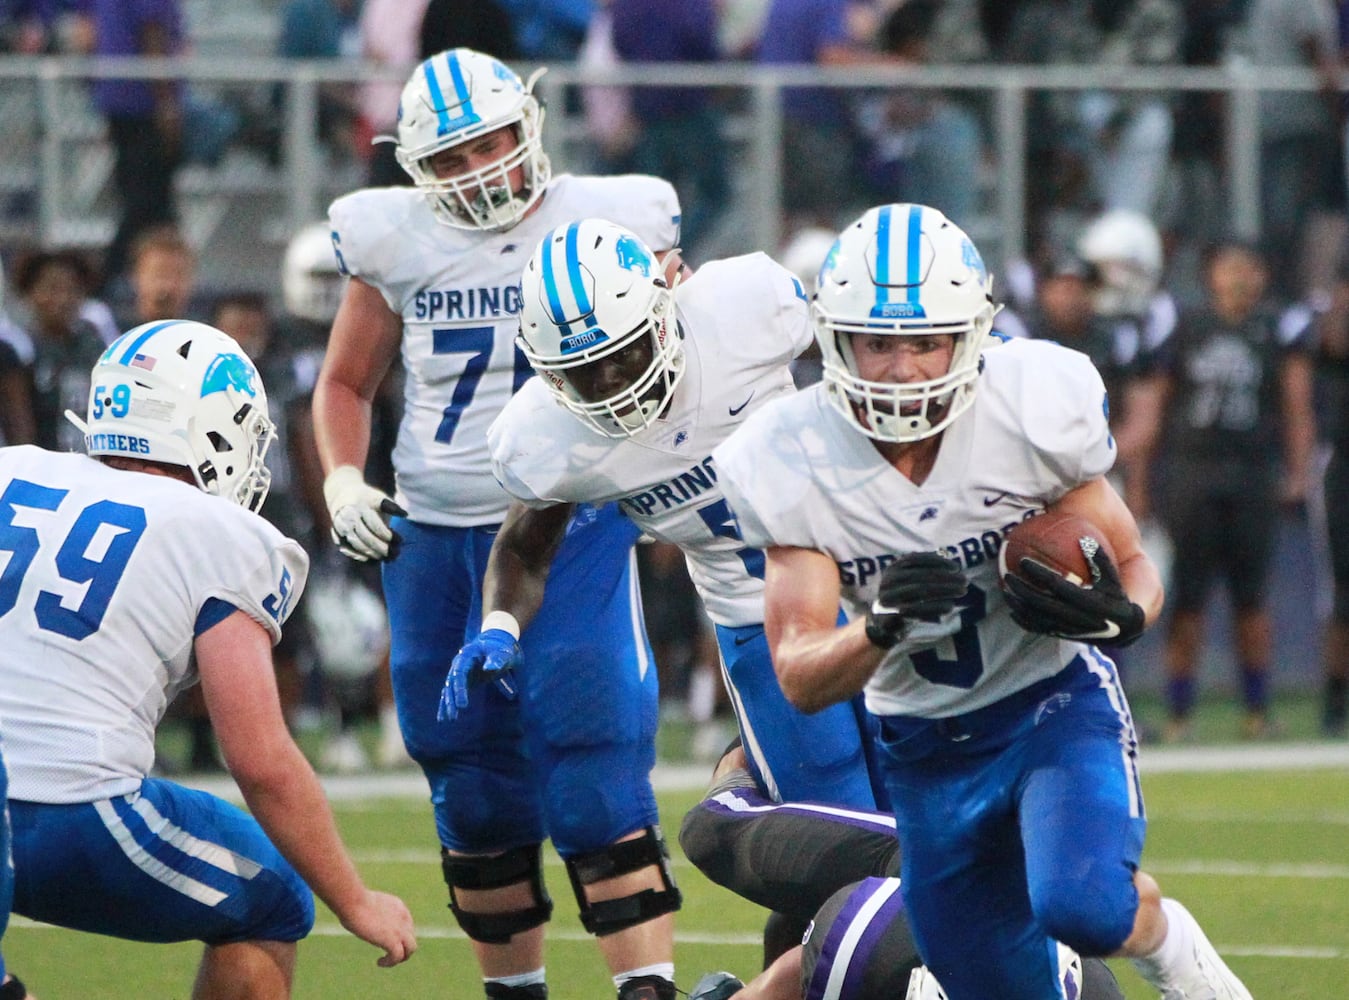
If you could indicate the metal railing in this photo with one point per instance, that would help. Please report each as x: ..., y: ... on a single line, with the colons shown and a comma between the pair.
x: 54, y: 161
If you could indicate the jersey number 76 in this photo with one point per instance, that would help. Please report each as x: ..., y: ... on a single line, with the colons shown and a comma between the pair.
x: 476, y: 342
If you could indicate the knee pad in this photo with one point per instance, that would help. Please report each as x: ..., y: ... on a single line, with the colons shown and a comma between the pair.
x: 612, y: 915
x: 496, y: 871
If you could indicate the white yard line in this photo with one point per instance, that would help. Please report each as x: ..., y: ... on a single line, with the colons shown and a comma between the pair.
x: 447, y: 933
x: 690, y: 777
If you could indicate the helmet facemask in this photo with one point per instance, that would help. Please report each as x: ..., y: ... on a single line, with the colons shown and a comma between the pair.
x: 457, y: 98
x: 628, y: 411
x: 244, y: 478
x: 911, y: 411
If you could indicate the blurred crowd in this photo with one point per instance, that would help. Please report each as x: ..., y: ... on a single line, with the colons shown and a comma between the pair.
x: 1226, y: 356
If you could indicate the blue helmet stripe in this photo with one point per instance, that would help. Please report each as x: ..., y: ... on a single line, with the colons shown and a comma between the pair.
x: 914, y: 251
x: 583, y: 306
x: 550, y: 287
x: 883, y: 257
x: 136, y: 344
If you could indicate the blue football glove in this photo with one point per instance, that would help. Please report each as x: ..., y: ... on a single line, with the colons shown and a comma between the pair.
x: 491, y: 656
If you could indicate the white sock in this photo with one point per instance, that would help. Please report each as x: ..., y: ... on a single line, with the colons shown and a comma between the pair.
x: 1176, y: 951
x: 522, y: 979
x: 663, y: 969
x: 388, y: 718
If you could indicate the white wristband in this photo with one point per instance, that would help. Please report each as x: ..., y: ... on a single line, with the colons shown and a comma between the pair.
x: 503, y: 620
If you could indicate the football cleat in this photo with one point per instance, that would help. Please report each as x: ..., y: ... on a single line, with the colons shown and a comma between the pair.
x: 1209, y: 977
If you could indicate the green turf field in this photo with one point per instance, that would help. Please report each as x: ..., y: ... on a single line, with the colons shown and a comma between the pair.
x: 1259, y: 856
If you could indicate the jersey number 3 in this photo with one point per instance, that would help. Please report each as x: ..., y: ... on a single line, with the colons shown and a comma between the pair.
x: 115, y: 527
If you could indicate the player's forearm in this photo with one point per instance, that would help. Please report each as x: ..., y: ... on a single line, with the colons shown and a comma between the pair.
x: 514, y: 585
x: 1299, y: 425
x: 522, y: 555
x: 819, y: 669
x: 288, y: 802
x: 341, y: 424
x: 780, y: 981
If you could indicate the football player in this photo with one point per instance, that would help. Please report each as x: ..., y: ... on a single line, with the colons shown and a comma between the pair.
x: 434, y: 273
x: 836, y: 870
x: 638, y: 382
x: 1006, y: 742
x: 135, y: 572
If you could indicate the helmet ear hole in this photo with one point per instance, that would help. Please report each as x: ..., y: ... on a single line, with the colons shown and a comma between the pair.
x: 218, y: 441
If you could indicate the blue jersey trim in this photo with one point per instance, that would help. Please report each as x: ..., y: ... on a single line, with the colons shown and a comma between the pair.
x: 212, y: 613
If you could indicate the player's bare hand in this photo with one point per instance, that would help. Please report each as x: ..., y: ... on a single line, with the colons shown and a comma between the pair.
x: 384, y: 920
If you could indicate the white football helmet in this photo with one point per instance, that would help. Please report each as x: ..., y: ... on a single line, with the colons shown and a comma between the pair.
x: 1126, y: 250
x: 311, y: 283
x: 591, y: 290
x: 456, y: 97
x: 350, y: 625
x: 904, y: 270
x: 805, y: 252
x: 183, y: 393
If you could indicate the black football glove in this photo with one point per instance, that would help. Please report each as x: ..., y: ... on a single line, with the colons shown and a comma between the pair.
x: 921, y: 586
x: 1051, y: 605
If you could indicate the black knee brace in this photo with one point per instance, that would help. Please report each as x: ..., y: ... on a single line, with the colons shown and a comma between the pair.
x: 612, y: 915
x: 496, y: 871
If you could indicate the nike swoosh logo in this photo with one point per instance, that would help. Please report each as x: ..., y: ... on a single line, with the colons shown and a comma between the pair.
x: 735, y: 410
x: 998, y: 498
x: 1111, y: 630
x: 740, y: 640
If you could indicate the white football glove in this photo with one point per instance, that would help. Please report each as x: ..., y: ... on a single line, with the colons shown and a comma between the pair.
x: 359, y: 514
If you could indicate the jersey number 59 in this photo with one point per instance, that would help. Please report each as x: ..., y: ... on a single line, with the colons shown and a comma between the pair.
x: 74, y: 561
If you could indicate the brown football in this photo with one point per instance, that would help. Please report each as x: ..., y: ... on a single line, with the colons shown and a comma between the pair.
x: 1055, y: 539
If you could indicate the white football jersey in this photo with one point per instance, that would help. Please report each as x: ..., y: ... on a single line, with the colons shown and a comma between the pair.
x: 458, y: 293
x: 742, y: 320
x: 798, y: 474
x: 107, y: 573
